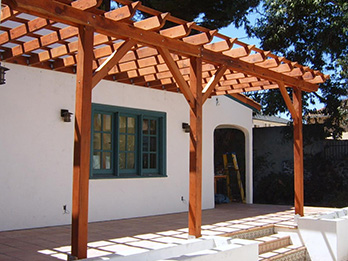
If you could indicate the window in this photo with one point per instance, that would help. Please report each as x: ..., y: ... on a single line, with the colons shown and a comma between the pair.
x: 127, y: 142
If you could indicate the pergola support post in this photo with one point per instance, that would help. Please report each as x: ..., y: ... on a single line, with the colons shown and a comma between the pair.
x: 82, y: 140
x: 196, y: 113
x: 295, y: 108
x: 298, y: 152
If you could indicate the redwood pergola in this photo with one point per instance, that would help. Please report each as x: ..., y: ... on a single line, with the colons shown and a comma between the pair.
x: 138, y: 45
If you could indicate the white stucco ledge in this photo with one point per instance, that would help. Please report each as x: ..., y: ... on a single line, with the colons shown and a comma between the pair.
x: 202, y: 249
x: 326, y: 235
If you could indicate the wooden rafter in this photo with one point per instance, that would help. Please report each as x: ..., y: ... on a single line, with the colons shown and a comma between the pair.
x: 184, y: 87
x: 287, y: 100
x: 212, y: 82
x: 118, y: 24
x: 112, y: 60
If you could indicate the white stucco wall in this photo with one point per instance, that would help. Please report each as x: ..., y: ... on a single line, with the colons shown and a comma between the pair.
x: 37, y: 151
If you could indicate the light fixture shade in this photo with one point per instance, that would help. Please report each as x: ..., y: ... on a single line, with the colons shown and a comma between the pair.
x: 66, y: 115
x: 186, y: 127
x: 2, y: 74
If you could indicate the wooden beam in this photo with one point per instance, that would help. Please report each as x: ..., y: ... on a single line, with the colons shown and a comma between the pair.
x: 212, y: 82
x: 85, y: 4
x: 72, y: 16
x: 196, y: 139
x: 253, y: 69
x: 178, y: 31
x: 67, y: 14
x: 287, y: 99
x: 152, y: 23
x: 123, y: 13
x: 246, y: 100
x: 298, y: 153
x: 113, y: 59
x: 185, y: 89
x: 82, y: 143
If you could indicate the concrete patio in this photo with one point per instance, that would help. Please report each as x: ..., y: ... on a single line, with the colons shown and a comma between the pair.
x: 142, y: 234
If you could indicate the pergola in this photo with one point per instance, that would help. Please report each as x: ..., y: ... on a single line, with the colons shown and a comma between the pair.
x: 141, y: 46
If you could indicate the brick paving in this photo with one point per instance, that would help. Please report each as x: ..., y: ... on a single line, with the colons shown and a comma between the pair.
x: 137, y: 235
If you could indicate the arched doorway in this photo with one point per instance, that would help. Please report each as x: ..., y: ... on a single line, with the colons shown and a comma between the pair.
x: 228, y: 140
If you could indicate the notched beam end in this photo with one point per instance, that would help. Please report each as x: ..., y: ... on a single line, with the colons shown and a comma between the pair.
x: 86, y: 4
x: 11, y: 3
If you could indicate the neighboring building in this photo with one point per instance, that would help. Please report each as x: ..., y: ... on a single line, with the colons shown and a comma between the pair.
x: 146, y: 173
x: 319, y: 116
x: 260, y: 121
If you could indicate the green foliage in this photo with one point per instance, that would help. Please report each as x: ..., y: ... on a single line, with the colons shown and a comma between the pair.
x: 325, y: 181
x: 313, y: 33
x: 275, y: 188
x: 210, y: 14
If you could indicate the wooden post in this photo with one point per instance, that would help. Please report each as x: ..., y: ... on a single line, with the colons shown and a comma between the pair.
x: 195, y: 200
x: 298, y: 152
x: 82, y: 142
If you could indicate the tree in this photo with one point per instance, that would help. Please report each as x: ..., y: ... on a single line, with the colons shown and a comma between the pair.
x: 313, y: 33
x: 207, y: 13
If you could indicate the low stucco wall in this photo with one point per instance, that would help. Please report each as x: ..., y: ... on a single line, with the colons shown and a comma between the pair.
x: 326, y: 236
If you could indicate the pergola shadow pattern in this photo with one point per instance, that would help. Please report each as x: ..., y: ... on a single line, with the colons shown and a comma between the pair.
x: 130, y: 236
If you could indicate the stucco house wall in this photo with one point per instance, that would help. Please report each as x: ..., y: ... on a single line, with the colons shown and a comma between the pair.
x: 36, y: 155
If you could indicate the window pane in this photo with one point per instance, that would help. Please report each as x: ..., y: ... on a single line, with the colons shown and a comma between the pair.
x: 130, y: 143
x: 122, y: 141
x: 96, y: 160
x: 106, y: 122
x: 122, y: 160
x: 153, y: 127
x: 153, y: 162
x: 106, y: 141
x: 153, y: 145
x: 106, y: 160
x: 97, y: 122
x: 97, y: 141
x: 145, y: 126
x: 131, y: 124
x: 130, y: 161
x: 122, y: 124
x: 145, y: 143
x: 145, y: 161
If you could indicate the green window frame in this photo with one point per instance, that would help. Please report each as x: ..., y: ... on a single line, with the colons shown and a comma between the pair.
x: 127, y: 143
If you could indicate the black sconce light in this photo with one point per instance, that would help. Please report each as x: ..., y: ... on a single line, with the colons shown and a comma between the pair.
x: 66, y: 115
x: 2, y: 74
x: 186, y: 127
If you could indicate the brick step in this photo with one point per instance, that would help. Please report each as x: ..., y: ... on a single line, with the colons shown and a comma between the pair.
x: 273, y: 242
x: 253, y: 233
x: 289, y: 253
x: 272, y: 246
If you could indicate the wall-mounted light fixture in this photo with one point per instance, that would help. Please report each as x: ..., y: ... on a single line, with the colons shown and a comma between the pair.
x: 2, y: 74
x: 66, y: 115
x: 186, y: 127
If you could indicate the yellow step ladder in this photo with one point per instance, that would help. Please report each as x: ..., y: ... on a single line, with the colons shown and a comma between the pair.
x: 227, y: 165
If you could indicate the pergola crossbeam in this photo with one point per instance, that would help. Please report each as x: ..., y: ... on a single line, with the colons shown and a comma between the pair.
x: 105, y: 24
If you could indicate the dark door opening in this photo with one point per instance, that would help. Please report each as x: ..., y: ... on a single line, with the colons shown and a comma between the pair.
x: 227, y: 141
